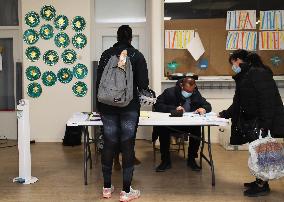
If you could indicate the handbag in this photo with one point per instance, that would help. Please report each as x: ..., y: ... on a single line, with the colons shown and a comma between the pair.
x: 246, y: 128
x: 266, y: 158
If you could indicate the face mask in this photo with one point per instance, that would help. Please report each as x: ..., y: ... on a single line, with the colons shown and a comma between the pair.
x: 236, y: 69
x: 186, y: 94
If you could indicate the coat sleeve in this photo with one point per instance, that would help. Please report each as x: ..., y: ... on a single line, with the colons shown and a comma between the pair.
x: 162, y: 105
x: 228, y: 113
x: 141, y: 72
x: 205, y: 105
x: 265, y: 91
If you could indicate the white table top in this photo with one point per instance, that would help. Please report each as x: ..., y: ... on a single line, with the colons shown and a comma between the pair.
x: 148, y: 118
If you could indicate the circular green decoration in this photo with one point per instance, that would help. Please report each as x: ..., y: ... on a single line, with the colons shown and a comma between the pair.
x: 34, y: 90
x: 33, y: 53
x: 79, y: 40
x: 61, y: 22
x: 46, y: 32
x: 32, y: 19
x: 30, y: 36
x: 33, y: 73
x: 49, y: 78
x: 80, y: 71
x: 80, y: 89
x: 50, y: 57
x: 61, y: 40
x: 47, y: 12
x: 64, y: 75
x: 69, y: 56
x: 78, y: 23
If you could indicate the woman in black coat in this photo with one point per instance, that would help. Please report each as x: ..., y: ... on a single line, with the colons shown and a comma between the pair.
x: 257, y: 102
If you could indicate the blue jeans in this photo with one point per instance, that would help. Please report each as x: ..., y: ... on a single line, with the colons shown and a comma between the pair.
x: 119, y: 135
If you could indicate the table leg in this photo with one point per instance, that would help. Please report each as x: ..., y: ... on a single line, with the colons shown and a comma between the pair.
x: 202, y: 145
x: 85, y: 154
x: 89, y: 157
x: 210, y: 157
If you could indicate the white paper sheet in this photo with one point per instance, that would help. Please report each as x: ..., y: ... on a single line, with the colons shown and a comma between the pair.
x: 195, y: 47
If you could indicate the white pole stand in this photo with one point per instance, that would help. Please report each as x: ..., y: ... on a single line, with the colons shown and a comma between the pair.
x: 23, y: 116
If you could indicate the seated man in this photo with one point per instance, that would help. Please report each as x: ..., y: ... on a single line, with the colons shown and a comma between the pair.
x: 183, y: 97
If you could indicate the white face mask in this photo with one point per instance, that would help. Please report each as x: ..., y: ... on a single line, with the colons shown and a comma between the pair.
x: 236, y: 69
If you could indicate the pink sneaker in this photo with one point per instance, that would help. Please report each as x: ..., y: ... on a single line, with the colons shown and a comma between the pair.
x: 108, y: 191
x: 133, y: 194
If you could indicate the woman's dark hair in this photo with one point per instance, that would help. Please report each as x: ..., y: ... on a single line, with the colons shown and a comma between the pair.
x: 251, y: 58
x: 124, y: 33
x: 241, y: 54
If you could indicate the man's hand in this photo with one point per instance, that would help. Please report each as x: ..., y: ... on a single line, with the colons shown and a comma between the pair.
x: 201, y: 111
x: 180, y: 108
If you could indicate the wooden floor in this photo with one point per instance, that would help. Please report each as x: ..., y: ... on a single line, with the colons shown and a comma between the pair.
x: 60, y: 174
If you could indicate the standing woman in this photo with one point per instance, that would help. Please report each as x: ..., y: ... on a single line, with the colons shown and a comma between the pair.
x: 120, y: 123
x: 256, y: 98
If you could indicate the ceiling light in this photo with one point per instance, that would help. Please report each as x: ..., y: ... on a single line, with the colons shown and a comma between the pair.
x: 177, y: 1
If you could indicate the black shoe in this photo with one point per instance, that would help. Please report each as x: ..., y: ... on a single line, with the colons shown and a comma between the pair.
x: 163, y: 166
x: 193, y: 165
x: 251, y: 184
x: 257, y: 190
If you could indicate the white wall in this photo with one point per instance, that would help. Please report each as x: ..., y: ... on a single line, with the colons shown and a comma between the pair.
x: 50, y: 111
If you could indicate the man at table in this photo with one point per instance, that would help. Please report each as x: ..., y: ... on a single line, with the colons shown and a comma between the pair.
x: 183, y: 97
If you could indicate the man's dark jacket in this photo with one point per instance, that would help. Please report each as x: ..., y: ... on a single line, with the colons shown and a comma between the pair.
x: 171, y: 98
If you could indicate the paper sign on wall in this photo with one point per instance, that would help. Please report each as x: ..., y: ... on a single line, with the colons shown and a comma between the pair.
x: 272, y: 20
x: 242, y: 19
x: 241, y: 40
x: 195, y: 47
x: 271, y: 40
x: 177, y: 39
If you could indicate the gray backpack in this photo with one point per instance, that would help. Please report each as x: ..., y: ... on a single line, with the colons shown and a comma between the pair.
x: 116, y: 85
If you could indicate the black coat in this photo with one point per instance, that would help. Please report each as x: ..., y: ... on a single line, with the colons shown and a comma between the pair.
x: 171, y: 98
x: 140, y: 76
x: 256, y: 96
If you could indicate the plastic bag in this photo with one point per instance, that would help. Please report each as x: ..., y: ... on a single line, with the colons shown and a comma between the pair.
x: 147, y: 97
x: 266, y: 158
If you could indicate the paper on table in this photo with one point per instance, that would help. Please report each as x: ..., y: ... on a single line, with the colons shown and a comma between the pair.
x: 195, y: 47
x: 144, y: 114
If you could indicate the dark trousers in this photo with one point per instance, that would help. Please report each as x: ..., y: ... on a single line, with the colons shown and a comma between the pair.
x: 164, y: 138
x: 119, y: 135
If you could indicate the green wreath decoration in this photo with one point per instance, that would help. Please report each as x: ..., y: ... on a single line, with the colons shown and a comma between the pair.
x: 49, y: 78
x: 33, y: 73
x: 30, y: 36
x: 80, y: 89
x: 64, y: 75
x: 46, y: 32
x: 48, y: 12
x: 61, y: 22
x: 32, y: 19
x: 34, y: 90
x: 79, y: 40
x: 69, y: 56
x: 50, y: 57
x: 32, y: 53
x: 61, y: 40
x: 78, y: 24
x: 80, y: 71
